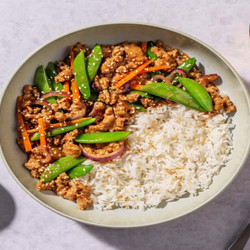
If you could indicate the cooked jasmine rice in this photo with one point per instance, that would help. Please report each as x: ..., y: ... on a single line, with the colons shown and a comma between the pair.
x: 173, y: 151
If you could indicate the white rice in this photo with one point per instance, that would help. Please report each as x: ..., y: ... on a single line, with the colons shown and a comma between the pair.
x: 173, y: 151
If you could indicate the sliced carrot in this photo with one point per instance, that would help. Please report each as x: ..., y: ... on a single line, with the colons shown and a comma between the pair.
x: 75, y: 92
x: 136, y: 86
x: 58, y: 125
x: 144, y: 47
x: 71, y: 54
x: 133, y: 73
x: 41, y: 127
x: 26, y: 139
x: 155, y: 68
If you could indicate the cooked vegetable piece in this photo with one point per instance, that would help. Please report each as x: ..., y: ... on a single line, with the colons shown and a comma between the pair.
x: 51, y: 73
x: 42, y: 83
x: 26, y: 139
x: 155, y: 68
x: 137, y: 106
x: 79, y: 171
x: 172, y: 93
x: 150, y: 54
x: 102, y: 137
x: 62, y: 130
x: 94, y: 62
x: 144, y: 47
x: 58, y: 167
x: 133, y: 73
x: 42, y: 134
x: 75, y: 92
x: 81, y: 76
x: 187, y: 65
x: 198, y: 92
x: 60, y: 124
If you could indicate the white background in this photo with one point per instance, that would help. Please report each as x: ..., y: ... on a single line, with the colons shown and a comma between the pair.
x: 26, y: 25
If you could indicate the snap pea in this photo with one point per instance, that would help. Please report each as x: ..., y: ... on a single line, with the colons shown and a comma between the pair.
x: 81, y: 76
x: 102, y: 137
x: 94, y: 61
x: 137, y: 106
x: 79, y: 171
x: 198, y: 92
x: 62, y: 130
x: 150, y: 54
x: 58, y: 167
x: 187, y: 65
x: 172, y: 93
x: 42, y: 83
x: 51, y: 73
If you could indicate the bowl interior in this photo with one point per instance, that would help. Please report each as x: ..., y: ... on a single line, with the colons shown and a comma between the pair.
x: 111, y: 34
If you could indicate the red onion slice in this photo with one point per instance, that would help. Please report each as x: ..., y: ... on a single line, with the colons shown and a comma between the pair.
x: 41, y: 102
x: 55, y: 93
x: 182, y: 72
x: 97, y: 114
x: 108, y: 157
x: 162, y: 78
x: 47, y: 156
x: 93, y: 113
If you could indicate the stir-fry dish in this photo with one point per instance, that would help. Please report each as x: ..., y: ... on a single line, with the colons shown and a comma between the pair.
x: 127, y: 125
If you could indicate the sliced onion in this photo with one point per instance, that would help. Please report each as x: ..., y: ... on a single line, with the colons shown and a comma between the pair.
x: 126, y: 88
x: 41, y: 102
x: 55, y: 93
x: 93, y: 113
x: 95, y: 87
x: 182, y: 72
x: 108, y: 157
x: 97, y: 114
x: 161, y: 77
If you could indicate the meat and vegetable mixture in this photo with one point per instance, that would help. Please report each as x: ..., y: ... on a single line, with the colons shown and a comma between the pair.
x: 80, y: 107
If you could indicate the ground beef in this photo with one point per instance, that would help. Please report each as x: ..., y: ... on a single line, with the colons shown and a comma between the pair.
x: 65, y: 74
x: 133, y: 97
x: 30, y: 93
x: 69, y: 148
x: 69, y: 189
x: 147, y: 102
x: 100, y: 83
x: 109, y: 97
x: 134, y: 55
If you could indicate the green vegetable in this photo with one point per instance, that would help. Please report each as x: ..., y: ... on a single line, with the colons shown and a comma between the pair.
x: 137, y: 106
x: 58, y: 167
x: 187, y: 65
x: 81, y: 76
x: 173, y: 93
x: 198, y: 92
x: 94, y: 61
x: 102, y: 137
x: 62, y: 130
x: 42, y: 83
x: 150, y: 54
x: 51, y: 73
x: 79, y: 171
x: 142, y: 94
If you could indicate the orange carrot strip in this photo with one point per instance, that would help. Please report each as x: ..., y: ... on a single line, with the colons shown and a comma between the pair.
x: 58, y: 125
x: 41, y: 127
x: 71, y: 54
x: 136, y: 86
x: 26, y: 139
x: 75, y: 92
x: 155, y: 68
x: 144, y: 47
x: 133, y: 73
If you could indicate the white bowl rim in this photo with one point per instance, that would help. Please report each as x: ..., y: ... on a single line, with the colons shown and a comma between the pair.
x: 243, y: 161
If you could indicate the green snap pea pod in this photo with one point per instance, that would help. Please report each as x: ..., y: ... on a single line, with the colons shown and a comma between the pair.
x: 79, y: 171
x: 137, y: 106
x: 187, y: 65
x: 58, y: 167
x: 51, y: 73
x: 172, y: 93
x: 94, y: 62
x: 81, y: 75
x: 150, y: 54
x: 102, y: 137
x: 63, y: 130
x: 42, y: 83
x: 198, y: 92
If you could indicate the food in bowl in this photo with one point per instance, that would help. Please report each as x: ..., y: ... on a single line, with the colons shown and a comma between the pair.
x: 129, y: 125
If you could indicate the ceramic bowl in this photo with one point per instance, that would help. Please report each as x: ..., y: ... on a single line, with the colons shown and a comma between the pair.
x: 207, y: 59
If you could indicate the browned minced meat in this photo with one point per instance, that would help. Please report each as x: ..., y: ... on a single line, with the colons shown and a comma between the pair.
x: 68, y: 189
x: 112, y: 107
